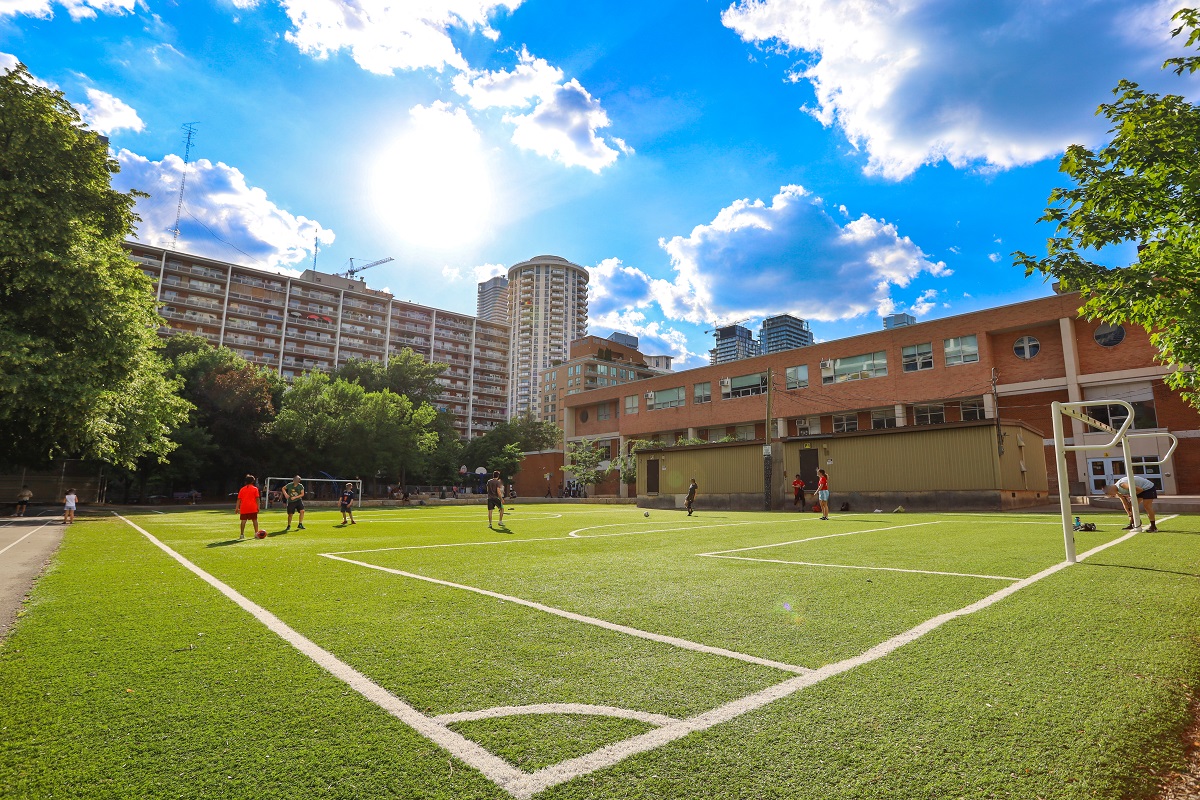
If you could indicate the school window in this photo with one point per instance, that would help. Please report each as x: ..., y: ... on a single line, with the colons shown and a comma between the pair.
x: 702, y: 392
x: 916, y: 357
x: 1151, y: 472
x: 845, y: 423
x: 931, y: 414
x: 855, y: 368
x: 745, y: 386
x: 883, y: 418
x: 961, y: 350
x: 803, y: 428
x: 1144, y: 415
x: 972, y: 409
x: 1026, y: 347
x: 667, y: 398
x: 797, y: 377
x: 602, y: 411
x: 631, y: 404
x: 744, y: 433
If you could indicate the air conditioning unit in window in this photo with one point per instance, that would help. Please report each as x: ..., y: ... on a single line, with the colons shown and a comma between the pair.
x: 726, y: 382
x: 827, y: 364
x: 649, y: 395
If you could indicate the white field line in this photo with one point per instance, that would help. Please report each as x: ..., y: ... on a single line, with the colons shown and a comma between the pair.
x: 529, y: 785
x: 532, y: 515
x: 815, y: 538
x: 23, y: 538
x: 494, y: 768
x: 657, y: 720
x: 878, y: 569
x: 569, y: 536
x: 599, y: 623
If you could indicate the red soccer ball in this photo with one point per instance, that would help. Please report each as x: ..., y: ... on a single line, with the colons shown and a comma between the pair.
x: 261, y: 535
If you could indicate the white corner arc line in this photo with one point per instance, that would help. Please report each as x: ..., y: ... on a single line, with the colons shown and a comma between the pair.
x: 683, y: 644
x: 815, y: 538
x: 496, y: 769
x: 23, y: 538
x: 657, y: 720
x: 609, y: 755
x: 876, y: 569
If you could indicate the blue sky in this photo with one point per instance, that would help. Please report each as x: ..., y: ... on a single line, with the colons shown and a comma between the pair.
x: 709, y: 161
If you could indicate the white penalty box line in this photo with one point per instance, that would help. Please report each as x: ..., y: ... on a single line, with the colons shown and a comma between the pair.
x: 522, y: 785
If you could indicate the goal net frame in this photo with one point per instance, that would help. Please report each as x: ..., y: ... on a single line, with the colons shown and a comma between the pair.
x: 1120, y: 436
x: 337, y: 484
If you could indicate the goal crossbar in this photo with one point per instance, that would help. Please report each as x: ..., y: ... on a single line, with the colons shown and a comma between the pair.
x: 277, y: 483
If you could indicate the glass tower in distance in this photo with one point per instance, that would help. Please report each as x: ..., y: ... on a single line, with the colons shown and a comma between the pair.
x: 784, y: 332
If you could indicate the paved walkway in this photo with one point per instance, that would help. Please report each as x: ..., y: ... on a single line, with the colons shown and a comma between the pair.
x: 26, y: 546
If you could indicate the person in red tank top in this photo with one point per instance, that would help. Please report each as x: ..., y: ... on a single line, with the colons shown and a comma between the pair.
x: 247, y: 505
x: 823, y: 492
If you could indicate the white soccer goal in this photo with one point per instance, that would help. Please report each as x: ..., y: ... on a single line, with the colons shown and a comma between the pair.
x: 334, y: 490
x: 1119, y: 436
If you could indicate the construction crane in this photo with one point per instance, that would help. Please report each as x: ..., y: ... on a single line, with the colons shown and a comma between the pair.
x: 729, y: 325
x: 350, y: 273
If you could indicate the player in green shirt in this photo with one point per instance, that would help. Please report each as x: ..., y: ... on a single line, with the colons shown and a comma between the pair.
x: 294, y: 492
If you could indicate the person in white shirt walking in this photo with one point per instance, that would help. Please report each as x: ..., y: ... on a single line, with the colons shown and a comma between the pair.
x: 1146, y: 493
x: 69, y: 506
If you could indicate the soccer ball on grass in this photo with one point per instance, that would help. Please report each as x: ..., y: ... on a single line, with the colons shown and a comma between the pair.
x: 646, y: 514
x: 260, y: 535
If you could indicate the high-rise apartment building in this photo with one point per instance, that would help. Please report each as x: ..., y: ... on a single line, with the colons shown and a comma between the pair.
x: 734, y: 343
x: 593, y: 362
x: 783, y: 332
x: 492, y: 303
x: 548, y: 309
x: 318, y: 322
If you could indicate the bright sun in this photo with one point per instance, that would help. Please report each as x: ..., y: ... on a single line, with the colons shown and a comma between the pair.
x: 432, y: 185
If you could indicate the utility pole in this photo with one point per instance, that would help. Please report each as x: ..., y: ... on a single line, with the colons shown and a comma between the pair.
x: 996, y: 405
x: 767, y: 488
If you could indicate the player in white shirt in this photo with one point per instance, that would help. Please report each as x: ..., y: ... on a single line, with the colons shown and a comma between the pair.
x: 1146, y: 493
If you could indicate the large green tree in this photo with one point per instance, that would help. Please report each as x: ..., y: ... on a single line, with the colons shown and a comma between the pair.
x: 79, y: 372
x: 1141, y: 189
x: 335, y: 426
x: 406, y: 373
x: 526, y: 434
x: 586, y: 459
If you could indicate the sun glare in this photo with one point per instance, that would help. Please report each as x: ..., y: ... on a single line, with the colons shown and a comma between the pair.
x: 431, y: 186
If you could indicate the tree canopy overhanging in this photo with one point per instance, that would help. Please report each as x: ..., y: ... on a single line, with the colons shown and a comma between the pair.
x: 79, y: 370
x: 1141, y: 189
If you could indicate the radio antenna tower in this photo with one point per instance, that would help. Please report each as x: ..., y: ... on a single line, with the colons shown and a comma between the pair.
x: 190, y: 127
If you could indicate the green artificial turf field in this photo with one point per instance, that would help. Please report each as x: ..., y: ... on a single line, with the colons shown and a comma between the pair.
x: 591, y: 652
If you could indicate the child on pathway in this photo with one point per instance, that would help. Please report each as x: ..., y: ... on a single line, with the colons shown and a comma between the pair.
x: 69, y: 507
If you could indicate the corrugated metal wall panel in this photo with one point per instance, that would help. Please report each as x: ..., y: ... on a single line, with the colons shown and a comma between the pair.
x: 733, y: 469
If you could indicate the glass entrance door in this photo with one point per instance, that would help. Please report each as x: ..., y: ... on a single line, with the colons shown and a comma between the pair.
x: 1102, y: 472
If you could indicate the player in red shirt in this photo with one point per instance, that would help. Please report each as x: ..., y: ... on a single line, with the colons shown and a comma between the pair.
x: 798, y: 488
x: 247, y: 505
x: 823, y: 492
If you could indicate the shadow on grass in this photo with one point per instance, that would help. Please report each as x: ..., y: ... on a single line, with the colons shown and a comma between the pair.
x: 1143, y: 569
x: 279, y: 533
x: 227, y: 542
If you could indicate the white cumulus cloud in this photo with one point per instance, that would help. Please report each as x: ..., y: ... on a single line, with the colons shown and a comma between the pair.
x: 564, y: 118
x: 384, y: 36
x: 791, y: 256
x: 78, y: 9
x: 107, y: 114
x: 485, y: 272
x: 915, y: 82
x: 222, y: 213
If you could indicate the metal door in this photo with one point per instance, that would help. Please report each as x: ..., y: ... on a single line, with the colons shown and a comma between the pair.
x: 652, y: 470
x: 1102, y: 472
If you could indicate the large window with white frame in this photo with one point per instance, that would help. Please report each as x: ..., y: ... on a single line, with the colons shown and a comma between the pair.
x: 631, y: 404
x: 667, y: 398
x: 744, y: 386
x: 797, y: 377
x: 972, y: 408
x: 962, y: 350
x: 702, y: 393
x: 882, y: 418
x: 916, y: 357
x: 845, y: 423
x: 602, y: 411
x: 929, y: 414
x: 854, y: 368
x: 744, y: 433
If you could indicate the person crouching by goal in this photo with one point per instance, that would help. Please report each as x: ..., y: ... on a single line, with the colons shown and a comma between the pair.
x: 1146, y: 494
x: 346, y: 504
x: 294, y: 492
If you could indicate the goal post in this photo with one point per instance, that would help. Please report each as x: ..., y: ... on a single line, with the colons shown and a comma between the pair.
x: 335, y: 486
x: 1061, y: 448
